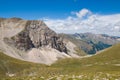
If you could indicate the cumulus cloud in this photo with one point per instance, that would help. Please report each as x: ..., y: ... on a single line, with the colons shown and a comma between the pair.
x: 86, y: 21
x: 83, y: 13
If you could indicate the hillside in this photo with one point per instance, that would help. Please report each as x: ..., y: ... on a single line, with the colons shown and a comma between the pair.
x: 108, y: 57
x: 105, y: 65
x: 12, y: 65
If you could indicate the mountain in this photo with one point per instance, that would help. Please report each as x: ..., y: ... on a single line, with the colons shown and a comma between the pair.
x: 32, y: 40
x: 92, y: 43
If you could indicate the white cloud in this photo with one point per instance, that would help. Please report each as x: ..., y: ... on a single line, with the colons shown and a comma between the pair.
x: 83, y: 13
x: 86, y: 21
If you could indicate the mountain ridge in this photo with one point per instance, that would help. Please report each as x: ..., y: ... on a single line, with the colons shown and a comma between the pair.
x: 92, y: 43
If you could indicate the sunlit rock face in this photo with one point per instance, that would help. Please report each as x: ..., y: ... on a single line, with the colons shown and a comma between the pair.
x: 35, y: 35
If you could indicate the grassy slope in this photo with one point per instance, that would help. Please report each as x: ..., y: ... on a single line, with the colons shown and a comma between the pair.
x: 11, y: 65
x: 107, y: 58
x: 104, y: 62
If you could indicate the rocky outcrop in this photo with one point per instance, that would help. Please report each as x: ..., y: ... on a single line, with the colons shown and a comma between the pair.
x: 36, y: 35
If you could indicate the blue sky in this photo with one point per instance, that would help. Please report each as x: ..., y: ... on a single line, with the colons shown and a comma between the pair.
x: 68, y: 16
x: 34, y: 9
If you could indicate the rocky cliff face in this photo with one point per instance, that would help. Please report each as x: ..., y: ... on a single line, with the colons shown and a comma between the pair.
x: 35, y: 35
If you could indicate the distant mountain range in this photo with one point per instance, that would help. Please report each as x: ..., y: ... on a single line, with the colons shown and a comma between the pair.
x: 92, y: 43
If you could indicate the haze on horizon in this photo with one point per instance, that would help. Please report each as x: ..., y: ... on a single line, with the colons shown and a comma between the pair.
x: 70, y: 16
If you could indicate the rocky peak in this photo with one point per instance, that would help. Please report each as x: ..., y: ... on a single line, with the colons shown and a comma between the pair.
x: 35, y: 35
x: 14, y: 19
